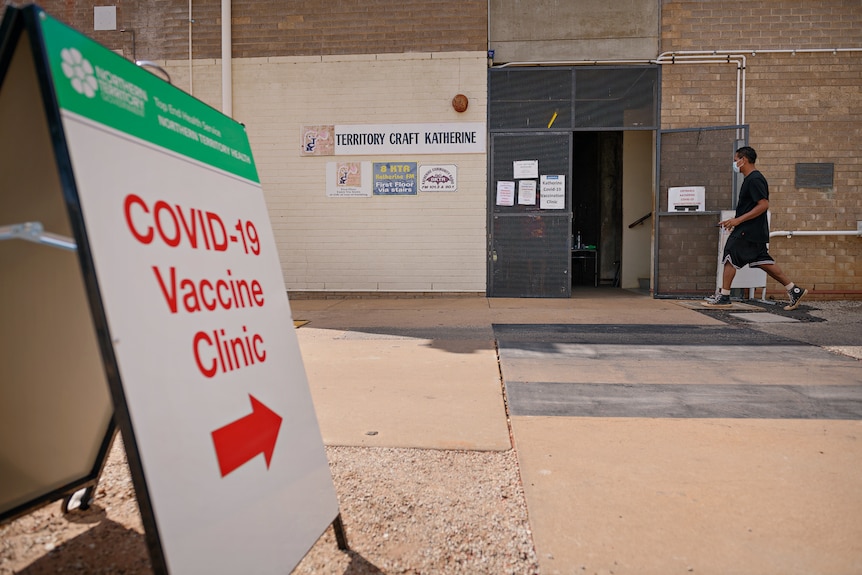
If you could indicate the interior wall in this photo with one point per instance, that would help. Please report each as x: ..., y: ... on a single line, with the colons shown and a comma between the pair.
x: 638, y: 200
x: 610, y: 191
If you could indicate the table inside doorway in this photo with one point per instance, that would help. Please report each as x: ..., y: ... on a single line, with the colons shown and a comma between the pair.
x: 583, y: 256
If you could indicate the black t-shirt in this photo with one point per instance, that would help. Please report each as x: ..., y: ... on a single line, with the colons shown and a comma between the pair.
x: 754, y: 189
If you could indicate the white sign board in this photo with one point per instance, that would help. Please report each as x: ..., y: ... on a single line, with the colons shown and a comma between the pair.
x: 525, y: 169
x: 436, y: 178
x: 210, y: 383
x: 527, y: 192
x: 376, y: 139
x: 505, y: 193
x: 552, y: 193
x: 686, y: 199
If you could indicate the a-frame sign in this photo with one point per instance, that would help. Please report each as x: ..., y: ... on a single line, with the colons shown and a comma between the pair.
x: 167, y: 309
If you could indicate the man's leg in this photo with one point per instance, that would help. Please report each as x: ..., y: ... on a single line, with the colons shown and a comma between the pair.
x: 794, y: 292
x: 722, y: 299
x: 728, y: 275
x: 775, y: 273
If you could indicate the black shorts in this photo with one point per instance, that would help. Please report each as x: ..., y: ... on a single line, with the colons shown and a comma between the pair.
x: 739, y: 252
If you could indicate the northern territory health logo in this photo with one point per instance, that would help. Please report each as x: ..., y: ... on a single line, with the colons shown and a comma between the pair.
x: 88, y: 79
x: 79, y: 71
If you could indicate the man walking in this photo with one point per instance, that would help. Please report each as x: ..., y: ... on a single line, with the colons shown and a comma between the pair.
x: 750, y: 234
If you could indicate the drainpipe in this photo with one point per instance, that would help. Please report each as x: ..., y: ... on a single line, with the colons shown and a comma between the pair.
x: 792, y: 233
x: 226, y: 78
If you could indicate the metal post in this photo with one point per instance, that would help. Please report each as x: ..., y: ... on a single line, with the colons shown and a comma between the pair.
x: 340, y: 534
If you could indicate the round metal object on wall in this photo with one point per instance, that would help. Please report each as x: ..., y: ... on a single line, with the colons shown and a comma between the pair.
x: 460, y: 102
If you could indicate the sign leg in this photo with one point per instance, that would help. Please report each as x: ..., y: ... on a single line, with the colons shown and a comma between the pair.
x: 340, y: 534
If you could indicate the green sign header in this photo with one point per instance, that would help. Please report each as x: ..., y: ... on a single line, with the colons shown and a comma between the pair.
x: 94, y: 82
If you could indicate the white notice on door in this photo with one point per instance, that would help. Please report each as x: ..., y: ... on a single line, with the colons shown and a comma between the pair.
x: 552, y: 193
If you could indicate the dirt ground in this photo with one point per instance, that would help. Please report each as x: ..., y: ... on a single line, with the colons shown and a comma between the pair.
x: 404, y: 511
x: 106, y: 538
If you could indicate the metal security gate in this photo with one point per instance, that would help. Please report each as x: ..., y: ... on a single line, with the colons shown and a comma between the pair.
x: 534, y: 116
x: 685, y: 261
x: 529, y: 243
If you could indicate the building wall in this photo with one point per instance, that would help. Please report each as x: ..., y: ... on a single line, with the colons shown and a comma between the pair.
x: 352, y: 61
x: 432, y: 241
x: 802, y: 108
x: 159, y: 30
x: 337, y: 62
x: 543, y: 30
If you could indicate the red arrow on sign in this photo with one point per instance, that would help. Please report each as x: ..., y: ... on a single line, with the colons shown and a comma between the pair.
x: 240, y: 441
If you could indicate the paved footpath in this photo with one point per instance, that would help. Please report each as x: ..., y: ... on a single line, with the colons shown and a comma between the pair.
x: 651, y: 437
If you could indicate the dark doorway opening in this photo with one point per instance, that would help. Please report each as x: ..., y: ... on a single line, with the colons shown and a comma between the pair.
x: 597, y: 190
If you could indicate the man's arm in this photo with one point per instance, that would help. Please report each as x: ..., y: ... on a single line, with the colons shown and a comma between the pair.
x: 762, y: 206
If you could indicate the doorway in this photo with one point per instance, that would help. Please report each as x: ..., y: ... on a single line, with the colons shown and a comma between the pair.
x: 557, y: 187
x: 597, y: 191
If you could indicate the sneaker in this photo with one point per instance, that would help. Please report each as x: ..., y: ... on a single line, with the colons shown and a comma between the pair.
x: 795, y: 294
x: 713, y: 298
x: 719, y: 301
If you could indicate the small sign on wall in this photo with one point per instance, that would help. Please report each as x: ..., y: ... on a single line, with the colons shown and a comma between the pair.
x: 438, y: 178
x: 819, y: 175
x: 348, y: 179
x: 686, y: 199
x: 371, y: 139
x: 394, y: 178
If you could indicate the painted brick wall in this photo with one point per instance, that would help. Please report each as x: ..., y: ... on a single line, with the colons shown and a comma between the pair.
x: 423, y: 243
x: 802, y: 108
x: 159, y: 29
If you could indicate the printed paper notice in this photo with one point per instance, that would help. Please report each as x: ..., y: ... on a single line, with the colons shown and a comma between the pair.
x: 525, y: 169
x: 527, y: 192
x: 505, y: 193
x: 552, y: 193
x: 348, y: 179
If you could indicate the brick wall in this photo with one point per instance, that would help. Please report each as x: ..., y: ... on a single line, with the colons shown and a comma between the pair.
x: 284, y: 28
x: 802, y: 108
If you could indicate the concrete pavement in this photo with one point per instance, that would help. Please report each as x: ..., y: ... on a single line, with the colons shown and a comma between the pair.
x: 652, y: 437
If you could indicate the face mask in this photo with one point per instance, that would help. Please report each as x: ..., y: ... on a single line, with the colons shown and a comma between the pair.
x: 735, y: 166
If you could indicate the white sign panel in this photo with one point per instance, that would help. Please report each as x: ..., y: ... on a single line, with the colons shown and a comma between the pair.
x: 527, y: 192
x: 552, y: 193
x: 201, y: 330
x: 505, y: 193
x: 438, y: 178
x: 376, y: 139
x: 686, y: 199
x: 525, y: 169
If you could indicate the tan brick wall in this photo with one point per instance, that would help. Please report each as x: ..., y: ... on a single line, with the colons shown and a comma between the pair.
x: 430, y: 242
x: 284, y: 28
x: 801, y: 108
x: 776, y: 24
